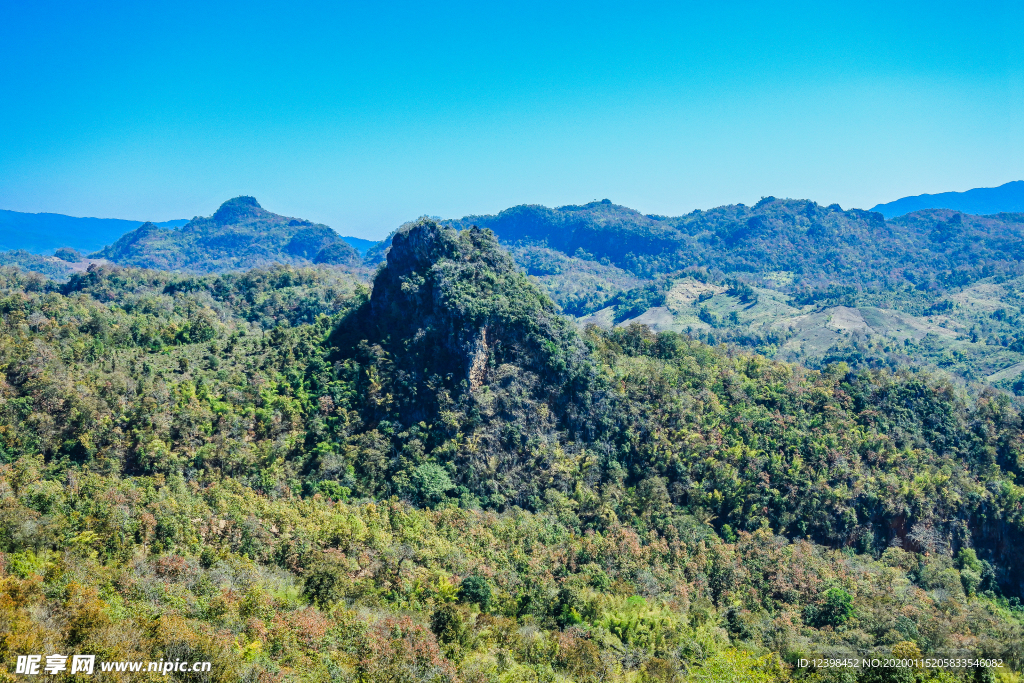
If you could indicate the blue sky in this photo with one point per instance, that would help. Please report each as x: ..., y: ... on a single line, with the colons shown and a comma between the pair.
x: 364, y: 115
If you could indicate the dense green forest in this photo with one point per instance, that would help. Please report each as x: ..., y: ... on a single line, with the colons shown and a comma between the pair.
x: 438, y: 476
x: 820, y: 245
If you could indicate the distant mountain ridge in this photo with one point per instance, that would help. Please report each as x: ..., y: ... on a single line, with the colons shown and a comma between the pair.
x: 981, y: 201
x: 359, y: 244
x: 42, y: 233
x: 790, y: 278
x: 240, y: 235
x: 45, y: 232
x: 818, y: 244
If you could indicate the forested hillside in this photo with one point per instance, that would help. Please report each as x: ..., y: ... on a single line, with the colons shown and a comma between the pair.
x: 441, y: 478
x: 240, y: 235
x: 818, y: 245
x: 792, y: 280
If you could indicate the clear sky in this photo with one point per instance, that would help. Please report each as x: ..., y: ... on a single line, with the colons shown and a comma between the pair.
x: 364, y: 115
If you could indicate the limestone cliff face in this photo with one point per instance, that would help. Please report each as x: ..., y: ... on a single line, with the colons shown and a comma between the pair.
x: 456, y: 302
x: 409, y: 307
x: 478, y: 364
x: 457, y: 336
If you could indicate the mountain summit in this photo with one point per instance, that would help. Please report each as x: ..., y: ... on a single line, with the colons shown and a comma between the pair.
x: 241, y: 234
x: 239, y: 210
x: 455, y: 336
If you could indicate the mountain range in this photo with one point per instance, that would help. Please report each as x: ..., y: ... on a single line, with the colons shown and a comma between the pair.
x: 42, y: 233
x: 791, y: 279
x: 1008, y: 198
x: 239, y: 235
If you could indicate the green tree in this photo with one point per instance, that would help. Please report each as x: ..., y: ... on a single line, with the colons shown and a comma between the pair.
x: 835, y: 608
x: 476, y: 590
x: 431, y: 483
x: 325, y: 583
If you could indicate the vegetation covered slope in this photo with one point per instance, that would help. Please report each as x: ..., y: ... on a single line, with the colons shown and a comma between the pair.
x: 48, y: 266
x: 791, y: 279
x: 240, y: 235
x: 443, y: 480
x: 819, y: 245
x: 788, y: 278
x: 456, y: 338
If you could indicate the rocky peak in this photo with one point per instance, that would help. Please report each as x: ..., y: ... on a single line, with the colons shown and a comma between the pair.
x: 238, y: 210
x: 451, y: 309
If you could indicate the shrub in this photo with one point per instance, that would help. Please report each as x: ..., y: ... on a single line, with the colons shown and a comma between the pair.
x: 449, y: 626
x: 325, y: 584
